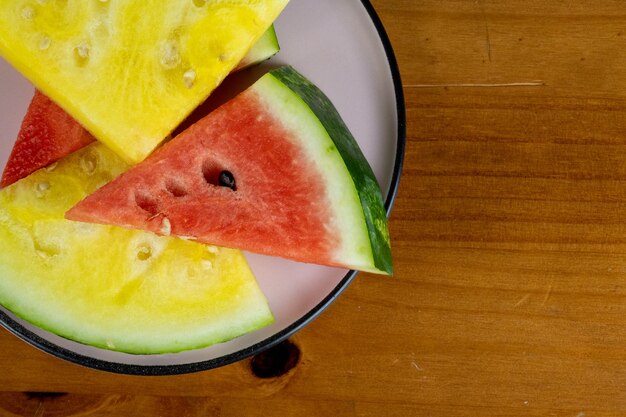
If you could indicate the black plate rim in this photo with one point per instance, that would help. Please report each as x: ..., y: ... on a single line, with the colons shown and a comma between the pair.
x: 160, y: 370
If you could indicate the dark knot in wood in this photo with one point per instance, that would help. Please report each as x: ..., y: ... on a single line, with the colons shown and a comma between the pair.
x: 276, y: 361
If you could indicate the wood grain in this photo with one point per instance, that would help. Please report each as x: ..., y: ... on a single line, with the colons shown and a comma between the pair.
x: 508, y: 234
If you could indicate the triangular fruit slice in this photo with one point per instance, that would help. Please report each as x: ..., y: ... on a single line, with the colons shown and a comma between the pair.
x: 273, y: 171
x: 48, y: 133
x: 118, y: 289
x: 130, y: 72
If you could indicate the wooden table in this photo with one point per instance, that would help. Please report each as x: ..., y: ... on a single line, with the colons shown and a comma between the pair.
x: 509, y: 240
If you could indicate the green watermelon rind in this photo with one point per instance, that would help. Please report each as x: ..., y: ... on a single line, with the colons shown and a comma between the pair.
x: 265, y: 48
x: 362, y: 180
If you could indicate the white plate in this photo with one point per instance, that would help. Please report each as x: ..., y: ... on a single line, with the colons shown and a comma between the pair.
x: 340, y: 46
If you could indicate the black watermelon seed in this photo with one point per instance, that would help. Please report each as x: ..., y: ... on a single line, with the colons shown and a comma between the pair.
x: 227, y: 179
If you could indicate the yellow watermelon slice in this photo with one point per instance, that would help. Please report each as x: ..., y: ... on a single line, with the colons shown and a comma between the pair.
x: 48, y: 133
x: 130, y: 71
x: 113, y: 288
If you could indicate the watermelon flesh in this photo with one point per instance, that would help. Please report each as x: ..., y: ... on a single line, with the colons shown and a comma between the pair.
x: 274, y: 171
x: 113, y: 288
x: 48, y: 133
x: 130, y: 72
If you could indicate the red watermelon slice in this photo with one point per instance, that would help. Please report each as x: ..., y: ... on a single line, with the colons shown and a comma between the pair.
x: 274, y: 171
x: 48, y: 133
